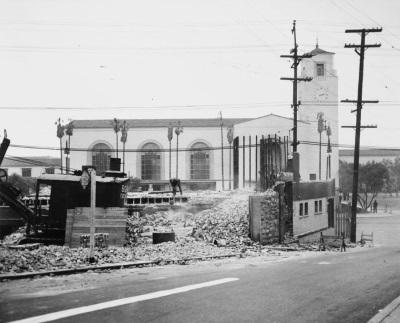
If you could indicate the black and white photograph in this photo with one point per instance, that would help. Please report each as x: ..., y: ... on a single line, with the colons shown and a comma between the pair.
x: 200, y: 161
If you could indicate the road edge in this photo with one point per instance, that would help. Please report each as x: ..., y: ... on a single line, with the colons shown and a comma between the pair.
x: 70, y: 271
x: 385, y: 312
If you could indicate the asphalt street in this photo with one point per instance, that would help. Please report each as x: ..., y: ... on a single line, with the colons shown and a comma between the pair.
x: 332, y: 287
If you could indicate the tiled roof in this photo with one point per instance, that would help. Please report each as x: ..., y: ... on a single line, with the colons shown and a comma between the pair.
x: 278, y: 116
x: 160, y: 123
x: 317, y: 51
x: 36, y: 161
x: 370, y: 152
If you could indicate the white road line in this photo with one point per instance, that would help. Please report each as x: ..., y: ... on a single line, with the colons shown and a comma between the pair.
x: 119, y: 302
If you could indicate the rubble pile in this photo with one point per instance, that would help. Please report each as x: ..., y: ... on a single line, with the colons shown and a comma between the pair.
x: 56, y: 257
x: 225, y: 224
x: 46, y: 258
x: 141, y: 226
x: 181, y: 250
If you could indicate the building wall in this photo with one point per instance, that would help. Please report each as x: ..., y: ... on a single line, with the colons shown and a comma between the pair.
x: 311, y: 222
x: 87, y: 138
x: 309, y: 153
x: 36, y: 171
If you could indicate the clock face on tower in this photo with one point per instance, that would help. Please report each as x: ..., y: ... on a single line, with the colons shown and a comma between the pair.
x: 321, y: 93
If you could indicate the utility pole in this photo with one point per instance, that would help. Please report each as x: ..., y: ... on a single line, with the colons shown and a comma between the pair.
x: 360, y: 50
x: 222, y: 150
x: 229, y: 136
x: 295, y: 105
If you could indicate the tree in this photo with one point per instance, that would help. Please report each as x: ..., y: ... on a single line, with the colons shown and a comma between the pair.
x: 371, y: 180
x: 393, y: 183
x: 372, y: 177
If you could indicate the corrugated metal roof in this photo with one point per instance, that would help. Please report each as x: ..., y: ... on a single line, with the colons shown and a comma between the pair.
x: 160, y: 123
x: 35, y: 161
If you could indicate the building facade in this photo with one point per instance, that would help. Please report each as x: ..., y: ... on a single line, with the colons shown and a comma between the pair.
x: 32, y: 166
x: 195, y: 155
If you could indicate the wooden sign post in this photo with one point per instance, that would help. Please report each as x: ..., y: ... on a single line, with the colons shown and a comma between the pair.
x: 89, y: 177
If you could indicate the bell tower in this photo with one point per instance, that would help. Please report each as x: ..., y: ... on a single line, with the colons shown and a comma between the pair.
x: 321, y: 93
x: 319, y: 109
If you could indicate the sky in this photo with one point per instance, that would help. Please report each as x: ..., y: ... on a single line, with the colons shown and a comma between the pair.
x: 81, y: 59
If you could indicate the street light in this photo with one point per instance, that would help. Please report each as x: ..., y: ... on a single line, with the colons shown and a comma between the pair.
x: 321, y: 128
x: 124, y: 138
x: 117, y: 128
x: 178, y: 131
x: 60, y: 134
x: 170, y: 136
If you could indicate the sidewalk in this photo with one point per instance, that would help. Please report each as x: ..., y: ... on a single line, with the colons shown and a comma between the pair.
x: 379, y: 214
x: 390, y: 314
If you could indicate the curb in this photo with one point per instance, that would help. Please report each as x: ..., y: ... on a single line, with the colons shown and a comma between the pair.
x: 384, y: 313
x: 120, y: 265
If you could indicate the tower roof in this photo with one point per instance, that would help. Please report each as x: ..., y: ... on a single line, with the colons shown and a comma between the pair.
x: 317, y: 51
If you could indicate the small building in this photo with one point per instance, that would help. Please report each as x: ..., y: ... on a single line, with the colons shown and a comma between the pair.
x: 31, y: 166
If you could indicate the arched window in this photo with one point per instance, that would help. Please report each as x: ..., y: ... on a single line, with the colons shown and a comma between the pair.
x: 151, y: 161
x: 199, y: 162
x: 101, y: 154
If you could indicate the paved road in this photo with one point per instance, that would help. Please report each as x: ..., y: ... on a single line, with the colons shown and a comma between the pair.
x: 340, y: 287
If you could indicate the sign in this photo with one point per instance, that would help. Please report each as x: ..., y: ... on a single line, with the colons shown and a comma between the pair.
x: 85, y: 178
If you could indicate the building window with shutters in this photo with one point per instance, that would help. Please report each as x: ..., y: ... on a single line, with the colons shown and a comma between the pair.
x: 301, y: 209
x: 151, y: 162
x: 306, y: 208
x: 101, y: 154
x: 26, y: 172
x: 199, y: 161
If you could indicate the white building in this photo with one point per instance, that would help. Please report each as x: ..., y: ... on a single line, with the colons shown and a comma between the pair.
x: 199, y: 156
x: 31, y: 166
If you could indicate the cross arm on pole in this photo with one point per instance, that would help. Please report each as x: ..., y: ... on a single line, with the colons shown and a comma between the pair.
x: 359, y: 46
x: 305, y: 79
x: 362, y: 101
x: 361, y: 127
x: 364, y: 30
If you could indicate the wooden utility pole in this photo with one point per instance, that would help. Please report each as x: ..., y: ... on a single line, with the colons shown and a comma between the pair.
x: 92, y: 211
x: 229, y: 136
x: 360, y: 50
x: 296, y: 60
